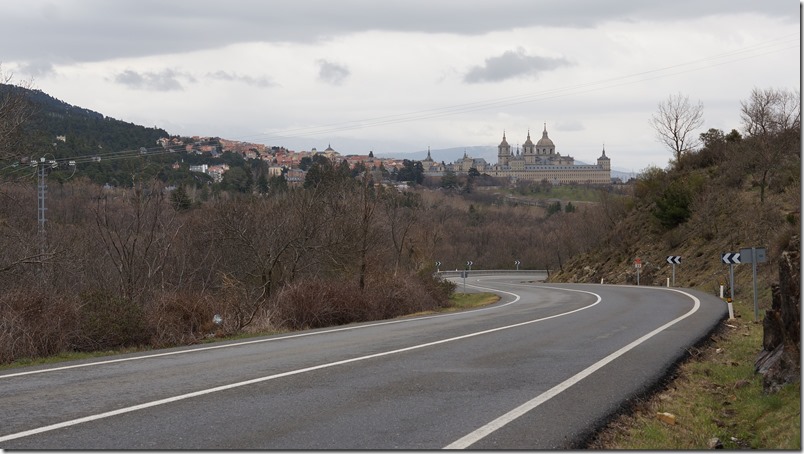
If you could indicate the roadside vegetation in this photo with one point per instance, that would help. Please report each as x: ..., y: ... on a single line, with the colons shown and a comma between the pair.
x: 734, y: 191
x: 716, y: 400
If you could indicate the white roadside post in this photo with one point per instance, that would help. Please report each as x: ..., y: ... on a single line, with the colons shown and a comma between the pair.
x: 731, y: 259
x: 673, y: 260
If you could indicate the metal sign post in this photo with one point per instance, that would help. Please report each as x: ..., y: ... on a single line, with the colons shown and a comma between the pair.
x: 753, y: 256
x: 638, y: 266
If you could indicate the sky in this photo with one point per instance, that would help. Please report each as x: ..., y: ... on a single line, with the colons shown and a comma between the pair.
x: 396, y: 77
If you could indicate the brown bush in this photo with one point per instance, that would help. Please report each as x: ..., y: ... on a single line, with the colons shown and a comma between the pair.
x: 34, y: 324
x: 317, y: 303
x: 181, y: 318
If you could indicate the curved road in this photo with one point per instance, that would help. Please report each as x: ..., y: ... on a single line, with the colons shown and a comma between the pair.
x: 538, y: 370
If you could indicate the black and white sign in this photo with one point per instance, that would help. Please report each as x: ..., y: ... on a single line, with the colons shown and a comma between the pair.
x: 674, y: 259
x: 731, y: 258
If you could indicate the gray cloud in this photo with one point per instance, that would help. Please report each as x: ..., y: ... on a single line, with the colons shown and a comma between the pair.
x: 37, y: 68
x: 332, y: 73
x: 95, y: 30
x: 512, y: 64
x: 166, y: 80
x: 261, y: 81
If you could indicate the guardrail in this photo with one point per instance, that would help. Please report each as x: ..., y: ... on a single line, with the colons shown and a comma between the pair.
x: 459, y: 273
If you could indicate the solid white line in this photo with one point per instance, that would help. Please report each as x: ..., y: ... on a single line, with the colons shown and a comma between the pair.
x: 280, y: 375
x: 475, y: 436
x: 257, y: 341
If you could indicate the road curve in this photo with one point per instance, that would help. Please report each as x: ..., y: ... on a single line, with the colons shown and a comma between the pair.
x: 538, y: 370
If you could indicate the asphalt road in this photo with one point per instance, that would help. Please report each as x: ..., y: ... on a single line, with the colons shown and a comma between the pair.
x: 538, y: 370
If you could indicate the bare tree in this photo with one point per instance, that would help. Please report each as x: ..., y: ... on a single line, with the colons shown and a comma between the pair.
x: 401, y: 214
x: 137, y: 235
x: 772, y: 120
x: 675, y: 123
x: 15, y: 111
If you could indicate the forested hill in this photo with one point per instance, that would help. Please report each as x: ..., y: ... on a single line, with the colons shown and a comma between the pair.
x: 84, y: 131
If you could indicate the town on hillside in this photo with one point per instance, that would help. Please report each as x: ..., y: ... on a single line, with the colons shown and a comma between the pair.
x: 537, y: 161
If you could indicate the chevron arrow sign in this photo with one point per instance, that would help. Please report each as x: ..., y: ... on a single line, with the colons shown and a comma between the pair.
x: 730, y: 258
x: 674, y: 259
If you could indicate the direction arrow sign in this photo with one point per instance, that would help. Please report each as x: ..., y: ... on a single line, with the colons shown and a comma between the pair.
x: 674, y: 259
x: 731, y: 258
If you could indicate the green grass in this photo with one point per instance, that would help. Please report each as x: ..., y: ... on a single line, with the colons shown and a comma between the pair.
x: 565, y: 193
x: 75, y: 356
x: 716, y: 394
x: 67, y: 356
x: 461, y: 301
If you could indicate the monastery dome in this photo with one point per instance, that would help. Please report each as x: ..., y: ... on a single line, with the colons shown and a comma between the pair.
x: 545, y: 141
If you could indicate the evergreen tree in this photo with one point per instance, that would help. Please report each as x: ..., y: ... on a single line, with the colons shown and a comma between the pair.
x: 180, y: 200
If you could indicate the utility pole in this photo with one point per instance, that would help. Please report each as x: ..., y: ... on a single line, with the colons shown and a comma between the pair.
x: 41, y: 169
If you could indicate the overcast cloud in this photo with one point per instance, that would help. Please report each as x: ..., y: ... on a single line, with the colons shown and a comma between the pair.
x: 512, y: 64
x: 260, y: 81
x: 399, y: 76
x: 332, y: 73
x: 165, y: 80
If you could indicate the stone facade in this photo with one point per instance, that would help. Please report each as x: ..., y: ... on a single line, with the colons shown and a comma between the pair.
x: 536, y: 162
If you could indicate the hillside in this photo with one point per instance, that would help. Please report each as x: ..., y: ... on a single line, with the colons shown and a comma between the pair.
x: 66, y: 131
x: 721, y: 219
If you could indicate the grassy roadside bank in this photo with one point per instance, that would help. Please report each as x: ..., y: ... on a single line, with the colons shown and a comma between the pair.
x: 714, y: 396
x: 458, y: 301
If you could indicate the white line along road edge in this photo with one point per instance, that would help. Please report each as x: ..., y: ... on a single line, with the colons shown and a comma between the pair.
x: 120, y: 411
x: 258, y: 341
x: 498, y: 423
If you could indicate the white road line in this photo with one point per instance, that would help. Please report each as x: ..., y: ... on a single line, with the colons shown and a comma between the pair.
x: 155, y: 403
x: 475, y: 436
x: 257, y: 341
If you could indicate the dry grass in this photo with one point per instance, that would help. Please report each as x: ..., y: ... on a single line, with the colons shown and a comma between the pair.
x: 715, y: 394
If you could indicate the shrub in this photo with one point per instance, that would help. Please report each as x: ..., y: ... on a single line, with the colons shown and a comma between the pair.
x: 673, y: 205
x: 107, y: 321
x: 180, y: 318
x: 317, y: 303
x: 34, y: 324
